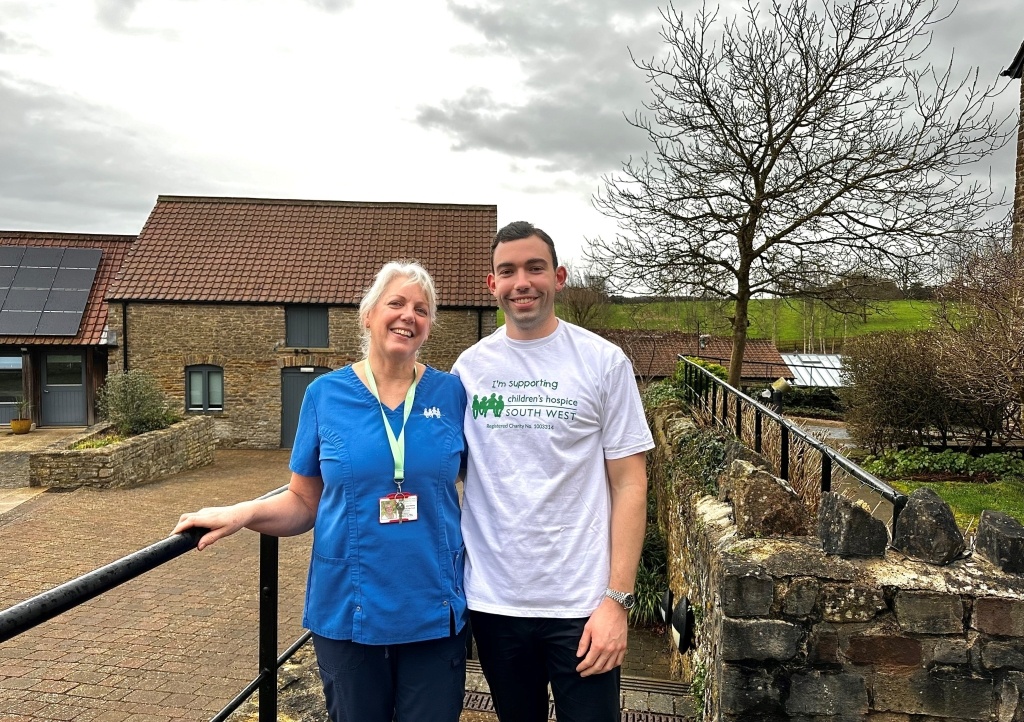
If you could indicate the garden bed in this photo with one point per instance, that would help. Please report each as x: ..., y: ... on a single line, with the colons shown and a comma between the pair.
x: 134, y: 461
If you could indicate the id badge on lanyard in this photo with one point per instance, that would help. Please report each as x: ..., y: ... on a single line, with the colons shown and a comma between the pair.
x: 397, y: 507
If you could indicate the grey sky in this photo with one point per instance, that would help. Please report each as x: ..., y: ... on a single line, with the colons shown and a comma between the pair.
x: 66, y: 165
x: 518, y: 103
x: 580, y: 80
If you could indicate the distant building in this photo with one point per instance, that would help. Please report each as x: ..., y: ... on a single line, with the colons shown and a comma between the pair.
x: 55, y: 336
x: 655, y: 353
x: 815, y: 369
x: 236, y: 304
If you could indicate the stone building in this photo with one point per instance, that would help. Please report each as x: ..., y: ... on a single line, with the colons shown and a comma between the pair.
x: 1014, y: 71
x: 236, y: 304
x: 54, y: 336
x: 655, y: 353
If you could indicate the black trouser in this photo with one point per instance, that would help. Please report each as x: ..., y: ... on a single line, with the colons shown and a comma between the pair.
x: 414, y: 682
x: 521, y: 655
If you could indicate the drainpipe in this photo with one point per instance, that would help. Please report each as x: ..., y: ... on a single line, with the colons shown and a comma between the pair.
x: 124, y: 336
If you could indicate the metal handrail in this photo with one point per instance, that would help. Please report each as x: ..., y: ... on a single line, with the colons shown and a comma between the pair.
x: 32, y: 612
x: 829, y: 455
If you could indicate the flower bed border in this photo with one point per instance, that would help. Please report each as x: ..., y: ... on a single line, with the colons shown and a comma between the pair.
x: 135, y: 461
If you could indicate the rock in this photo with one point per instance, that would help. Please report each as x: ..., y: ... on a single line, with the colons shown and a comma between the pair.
x: 759, y: 639
x: 800, y: 598
x: 1001, y: 540
x: 763, y: 505
x: 827, y: 694
x: 921, y: 612
x: 748, y: 691
x: 733, y: 451
x: 847, y: 529
x: 747, y: 591
x: 1011, y: 698
x: 926, y: 530
x: 851, y: 603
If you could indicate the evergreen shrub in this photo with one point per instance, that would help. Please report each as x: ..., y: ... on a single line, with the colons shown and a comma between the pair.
x: 134, y: 403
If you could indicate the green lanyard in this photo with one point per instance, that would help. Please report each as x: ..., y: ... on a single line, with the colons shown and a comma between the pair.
x: 397, y: 445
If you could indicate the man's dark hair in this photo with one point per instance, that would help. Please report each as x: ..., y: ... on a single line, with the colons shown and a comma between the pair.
x: 518, y: 230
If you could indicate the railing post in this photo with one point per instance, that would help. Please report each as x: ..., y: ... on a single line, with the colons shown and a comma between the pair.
x: 757, y: 430
x: 784, y: 453
x: 268, y: 628
x: 714, y: 400
x: 826, y: 473
x: 739, y: 419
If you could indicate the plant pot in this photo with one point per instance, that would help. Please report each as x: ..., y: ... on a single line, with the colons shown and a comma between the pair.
x: 21, y: 426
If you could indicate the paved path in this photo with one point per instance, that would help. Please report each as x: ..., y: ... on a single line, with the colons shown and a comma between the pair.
x: 175, y: 644
x: 180, y: 641
x: 15, y: 448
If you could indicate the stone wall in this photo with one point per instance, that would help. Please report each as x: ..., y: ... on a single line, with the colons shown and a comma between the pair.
x: 137, y: 460
x: 785, y: 631
x: 248, y: 342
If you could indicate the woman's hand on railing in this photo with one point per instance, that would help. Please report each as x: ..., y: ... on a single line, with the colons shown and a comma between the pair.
x: 221, y: 521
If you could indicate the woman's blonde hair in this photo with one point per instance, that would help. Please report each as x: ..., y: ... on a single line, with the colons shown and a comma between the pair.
x: 410, y: 270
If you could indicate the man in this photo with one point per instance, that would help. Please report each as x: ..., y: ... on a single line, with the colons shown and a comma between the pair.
x: 555, y: 497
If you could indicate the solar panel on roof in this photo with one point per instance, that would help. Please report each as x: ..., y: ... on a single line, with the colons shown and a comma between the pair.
x: 80, y: 258
x: 19, y: 323
x: 11, y: 255
x: 73, y: 278
x: 46, y: 257
x: 33, y: 277
x: 58, y: 323
x: 60, y: 300
x: 45, y: 290
x: 22, y: 299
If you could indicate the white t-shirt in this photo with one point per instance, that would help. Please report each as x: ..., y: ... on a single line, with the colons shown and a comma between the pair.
x: 542, y: 416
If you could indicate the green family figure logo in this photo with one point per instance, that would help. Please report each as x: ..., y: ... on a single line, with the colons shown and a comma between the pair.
x: 492, y: 403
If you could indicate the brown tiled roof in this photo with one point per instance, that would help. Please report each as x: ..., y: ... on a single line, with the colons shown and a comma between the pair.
x: 654, y: 353
x: 201, y: 249
x: 94, y: 319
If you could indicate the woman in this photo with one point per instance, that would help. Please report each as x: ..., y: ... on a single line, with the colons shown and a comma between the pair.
x: 374, y: 465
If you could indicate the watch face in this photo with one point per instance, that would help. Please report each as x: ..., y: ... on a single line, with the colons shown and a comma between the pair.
x: 629, y: 601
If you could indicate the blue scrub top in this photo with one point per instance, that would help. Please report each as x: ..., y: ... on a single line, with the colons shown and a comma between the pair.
x: 378, y: 583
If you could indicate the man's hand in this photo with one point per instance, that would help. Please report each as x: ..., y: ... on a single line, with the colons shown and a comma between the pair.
x: 604, y: 639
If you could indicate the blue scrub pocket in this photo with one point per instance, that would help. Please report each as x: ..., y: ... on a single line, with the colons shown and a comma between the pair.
x: 331, y: 604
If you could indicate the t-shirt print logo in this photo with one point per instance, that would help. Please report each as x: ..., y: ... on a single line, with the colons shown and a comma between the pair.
x: 432, y: 413
x: 494, y: 403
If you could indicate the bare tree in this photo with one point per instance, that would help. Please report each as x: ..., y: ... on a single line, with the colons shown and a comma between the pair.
x: 807, y: 139
x: 980, y: 335
x: 584, y: 299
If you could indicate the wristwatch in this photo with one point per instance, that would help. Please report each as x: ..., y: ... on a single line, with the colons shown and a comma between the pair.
x: 626, y: 599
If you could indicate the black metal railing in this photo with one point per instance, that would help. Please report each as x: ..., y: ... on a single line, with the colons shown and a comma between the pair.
x: 43, y: 607
x: 729, y: 408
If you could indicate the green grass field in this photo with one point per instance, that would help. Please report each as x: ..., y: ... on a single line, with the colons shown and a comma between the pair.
x: 969, y: 499
x: 791, y: 324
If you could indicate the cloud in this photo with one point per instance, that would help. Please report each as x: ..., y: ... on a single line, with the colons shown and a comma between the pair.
x: 69, y: 166
x: 578, y: 82
x: 8, y: 44
x: 115, y: 14
x: 331, y: 6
